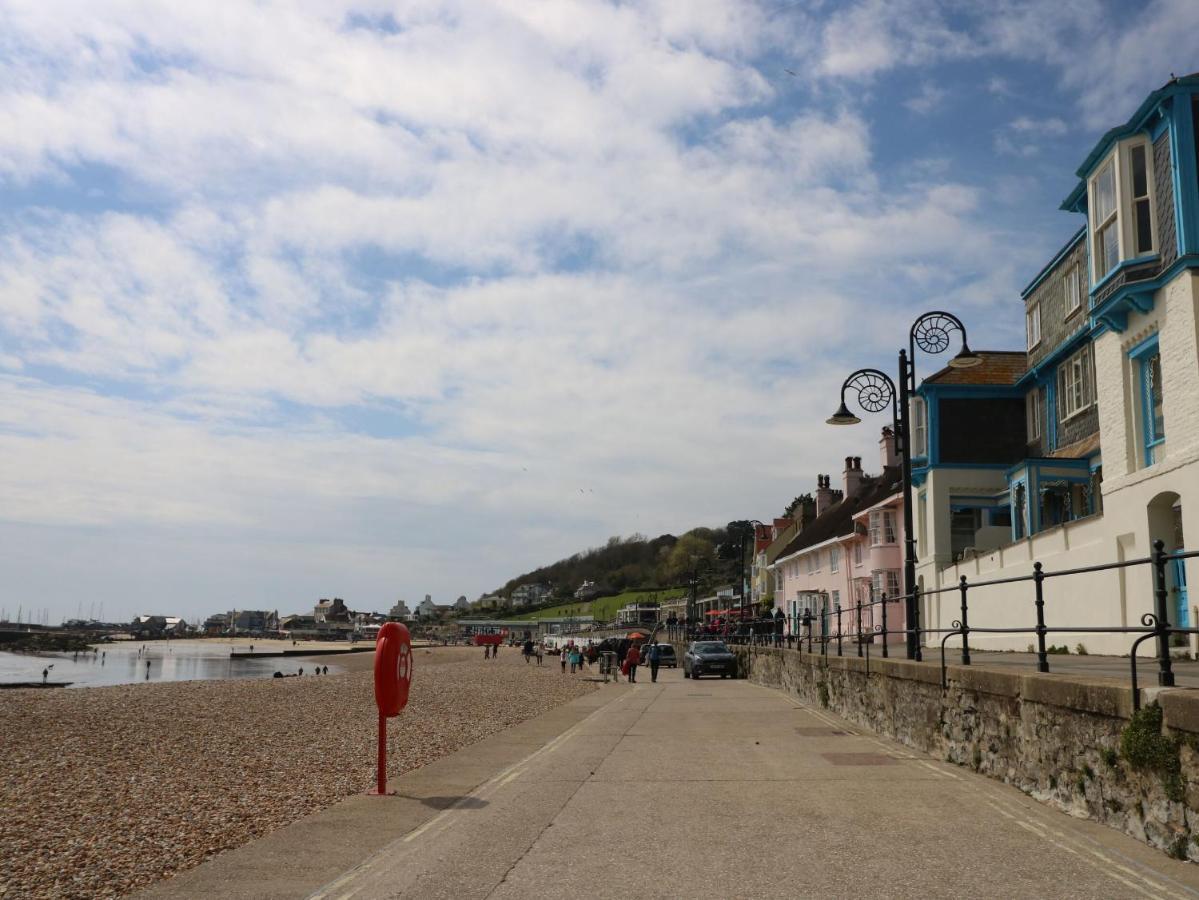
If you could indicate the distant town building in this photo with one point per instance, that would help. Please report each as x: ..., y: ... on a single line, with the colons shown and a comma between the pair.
x: 529, y: 595
x: 586, y: 591
x: 253, y: 621
x: 461, y: 603
x: 216, y: 624
x: 153, y: 627
x: 399, y: 612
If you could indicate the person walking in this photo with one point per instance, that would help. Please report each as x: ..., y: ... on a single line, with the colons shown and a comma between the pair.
x: 528, y: 651
x: 632, y: 658
x: 655, y: 658
x: 562, y: 659
x: 540, y: 651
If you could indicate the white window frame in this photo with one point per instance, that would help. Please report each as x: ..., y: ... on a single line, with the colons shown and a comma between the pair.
x: 834, y: 559
x: 1122, y: 215
x: 920, y: 431
x: 889, y: 535
x: 1072, y: 291
x: 1034, y: 413
x: 1075, y: 385
x: 1032, y: 326
x: 857, y: 553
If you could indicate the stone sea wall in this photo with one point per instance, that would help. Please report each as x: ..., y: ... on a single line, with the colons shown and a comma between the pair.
x: 1073, y: 743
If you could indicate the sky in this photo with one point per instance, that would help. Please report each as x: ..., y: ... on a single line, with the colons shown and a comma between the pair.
x: 385, y: 299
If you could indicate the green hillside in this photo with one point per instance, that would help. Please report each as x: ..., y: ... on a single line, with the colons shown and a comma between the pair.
x: 603, y: 609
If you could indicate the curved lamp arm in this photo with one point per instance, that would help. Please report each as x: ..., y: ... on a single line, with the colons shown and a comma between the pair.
x: 931, y: 333
x: 875, y: 390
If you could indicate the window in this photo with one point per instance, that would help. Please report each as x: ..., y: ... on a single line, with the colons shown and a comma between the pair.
x: 882, y: 527
x: 885, y: 581
x: 1074, y: 384
x: 778, y: 579
x: 1032, y: 404
x: 1105, y: 227
x: 834, y: 559
x: 857, y: 553
x: 836, y: 598
x: 1073, y: 291
x: 963, y: 526
x: 1142, y: 217
x: 1032, y: 325
x: 1121, y: 204
x: 1153, y: 424
x: 919, y: 427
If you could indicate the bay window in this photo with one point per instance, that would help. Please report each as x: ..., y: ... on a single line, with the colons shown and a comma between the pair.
x: 1121, y: 208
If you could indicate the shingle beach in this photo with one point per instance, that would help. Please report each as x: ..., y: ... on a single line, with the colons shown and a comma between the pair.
x: 106, y: 790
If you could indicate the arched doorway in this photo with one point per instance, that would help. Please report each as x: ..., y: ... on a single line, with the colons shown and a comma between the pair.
x: 1165, y: 524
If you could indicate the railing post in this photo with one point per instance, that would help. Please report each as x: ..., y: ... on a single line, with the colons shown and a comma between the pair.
x: 884, y: 624
x: 839, y: 629
x: 965, y: 625
x: 1042, y: 654
x: 1165, y: 674
x: 859, y: 628
x: 914, y: 625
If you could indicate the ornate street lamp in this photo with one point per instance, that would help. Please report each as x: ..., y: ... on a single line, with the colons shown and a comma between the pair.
x: 930, y: 332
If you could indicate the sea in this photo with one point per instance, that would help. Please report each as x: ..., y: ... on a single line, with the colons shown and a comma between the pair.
x: 125, y: 662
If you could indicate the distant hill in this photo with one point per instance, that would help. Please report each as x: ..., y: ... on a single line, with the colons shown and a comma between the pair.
x: 635, y: 562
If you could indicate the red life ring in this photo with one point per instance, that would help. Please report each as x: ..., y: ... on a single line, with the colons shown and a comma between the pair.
x: 393, y: 668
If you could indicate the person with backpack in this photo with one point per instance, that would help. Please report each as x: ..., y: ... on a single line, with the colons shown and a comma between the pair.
x: 655, y: 658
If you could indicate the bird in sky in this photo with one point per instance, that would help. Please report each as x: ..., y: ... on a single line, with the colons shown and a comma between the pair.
x: 791, y: 73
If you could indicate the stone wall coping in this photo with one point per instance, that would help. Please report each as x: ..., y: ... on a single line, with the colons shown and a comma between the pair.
x: 1100, y: 696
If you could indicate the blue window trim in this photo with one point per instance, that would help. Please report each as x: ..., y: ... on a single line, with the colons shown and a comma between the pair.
x: 1141, y: 354
x: 1124, y: 264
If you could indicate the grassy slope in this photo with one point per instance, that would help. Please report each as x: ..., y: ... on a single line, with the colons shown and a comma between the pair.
x: 604, y: 608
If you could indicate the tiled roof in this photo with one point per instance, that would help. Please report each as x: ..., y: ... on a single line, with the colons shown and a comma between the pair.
x: 837, y: 520
x: 1080, y: 449
x: 998, y: 367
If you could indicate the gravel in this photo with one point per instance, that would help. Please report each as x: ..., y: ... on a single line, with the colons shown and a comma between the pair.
x: 106, y: 790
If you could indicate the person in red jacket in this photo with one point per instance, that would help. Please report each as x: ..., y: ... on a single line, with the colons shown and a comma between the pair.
x: 631, y: 660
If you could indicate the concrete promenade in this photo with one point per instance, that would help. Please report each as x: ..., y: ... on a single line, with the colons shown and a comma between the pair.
x: 690, y: 789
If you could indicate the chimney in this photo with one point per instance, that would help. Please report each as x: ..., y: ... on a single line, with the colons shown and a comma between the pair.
x: 852, y: 475
x: 887, y: 454
x: 825, y: 495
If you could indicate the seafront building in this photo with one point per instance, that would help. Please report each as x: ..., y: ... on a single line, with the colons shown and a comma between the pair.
x: 1108, y: 399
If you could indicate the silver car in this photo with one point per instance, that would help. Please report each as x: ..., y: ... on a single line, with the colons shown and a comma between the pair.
x: 709, y: 658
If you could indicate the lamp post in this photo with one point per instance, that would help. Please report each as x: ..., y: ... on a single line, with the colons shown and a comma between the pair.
x: 930, y: 332
x: 746, y: 530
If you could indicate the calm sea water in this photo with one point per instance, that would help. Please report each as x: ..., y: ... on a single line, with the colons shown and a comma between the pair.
x: 120, y: 663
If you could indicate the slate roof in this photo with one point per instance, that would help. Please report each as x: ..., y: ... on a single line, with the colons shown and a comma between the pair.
x: 1002, y: 367
x: 837, y: 520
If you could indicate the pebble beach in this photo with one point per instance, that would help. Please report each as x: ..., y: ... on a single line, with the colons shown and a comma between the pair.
x: 107, y: 790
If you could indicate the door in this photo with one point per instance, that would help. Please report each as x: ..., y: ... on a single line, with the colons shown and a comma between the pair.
x: 1182, y: 616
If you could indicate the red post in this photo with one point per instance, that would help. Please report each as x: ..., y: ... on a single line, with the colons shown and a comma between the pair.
x: 382, y: 754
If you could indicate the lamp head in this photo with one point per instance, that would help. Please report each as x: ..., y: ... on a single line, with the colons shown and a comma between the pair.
x: 966, y: 359
x: 843, y: 416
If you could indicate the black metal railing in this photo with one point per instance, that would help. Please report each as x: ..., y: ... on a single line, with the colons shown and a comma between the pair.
x: 825, y: 630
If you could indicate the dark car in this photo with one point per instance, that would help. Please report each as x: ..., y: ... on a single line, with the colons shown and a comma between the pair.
x: 667, y: 659
x: 709, y: 658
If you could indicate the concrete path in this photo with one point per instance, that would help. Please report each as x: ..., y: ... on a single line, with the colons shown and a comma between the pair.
x: 724, y: 789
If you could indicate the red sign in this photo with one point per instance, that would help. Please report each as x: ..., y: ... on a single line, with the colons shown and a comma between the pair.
x: 393, y: 668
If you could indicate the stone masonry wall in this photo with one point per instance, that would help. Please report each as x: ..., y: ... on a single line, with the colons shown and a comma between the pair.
x: 1072, y: 743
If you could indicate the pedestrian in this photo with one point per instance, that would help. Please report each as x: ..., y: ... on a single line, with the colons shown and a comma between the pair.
x: 540, y: 651
x: 528, y: 652
x: 45, y: 674
x: 487, y: 651
x: 564, y: 654
x: 301, y: 670
x: 632, y: 658
x: 655, y: 657
x: 147, y: 670
x: 326, y: 670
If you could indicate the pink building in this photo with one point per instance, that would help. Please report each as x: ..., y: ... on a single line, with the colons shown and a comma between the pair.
x: 851, y: 551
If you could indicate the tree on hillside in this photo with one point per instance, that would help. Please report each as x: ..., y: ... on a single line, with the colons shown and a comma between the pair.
x: 800, y: 502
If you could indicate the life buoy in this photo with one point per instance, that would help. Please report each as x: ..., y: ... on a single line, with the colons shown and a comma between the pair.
x: 393, y: 668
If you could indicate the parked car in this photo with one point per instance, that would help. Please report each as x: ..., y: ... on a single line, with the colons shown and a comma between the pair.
x: 667, y: 658
x: 709, y: 658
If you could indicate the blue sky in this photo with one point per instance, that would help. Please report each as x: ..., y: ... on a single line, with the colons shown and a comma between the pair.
x: 383, y: 299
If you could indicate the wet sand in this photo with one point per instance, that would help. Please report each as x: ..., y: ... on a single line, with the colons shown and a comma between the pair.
x: 109, y: 789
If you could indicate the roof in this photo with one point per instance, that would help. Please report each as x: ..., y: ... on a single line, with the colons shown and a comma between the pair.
x: 1002, y: 367
x: 1184, y: 84
x: 1080, y: 449
x: 837, y: 520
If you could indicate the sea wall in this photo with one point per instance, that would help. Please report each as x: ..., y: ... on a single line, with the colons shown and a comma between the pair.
x: 1073, y: 743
